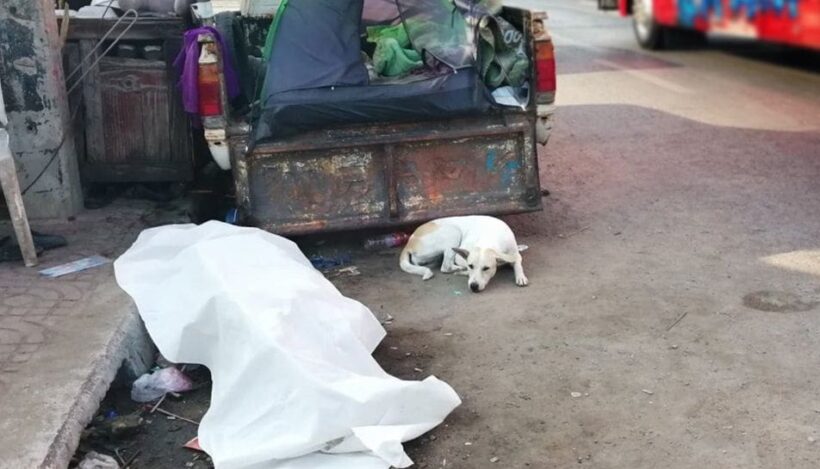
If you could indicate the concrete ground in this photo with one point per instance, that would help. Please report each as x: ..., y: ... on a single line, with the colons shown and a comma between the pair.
x: 674, y: 273
x: 63, y: 340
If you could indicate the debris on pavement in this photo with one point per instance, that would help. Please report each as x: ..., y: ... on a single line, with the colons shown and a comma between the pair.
x: 94, y: 460
x: 193, y: 444
x: 329, y: 262
x: 349, y: 271
x: 494, y: 459
x: 152, y: 386
x: 575, y: 394
x: 174, y: 416
x: 647, y: 391
x: 10, y: 250
x: 259, y: 300
x: 391, y: 240
x: 75, y: 266
x: 115, y: 428
x: 47, y: 242
x: 335, y: 266
x: 158, y: 440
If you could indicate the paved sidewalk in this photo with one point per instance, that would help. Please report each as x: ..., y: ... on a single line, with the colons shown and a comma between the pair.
x: 62, y: 340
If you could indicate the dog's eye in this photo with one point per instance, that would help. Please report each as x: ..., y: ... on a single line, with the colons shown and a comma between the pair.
x: 470, y: 266
x: 485, y: 269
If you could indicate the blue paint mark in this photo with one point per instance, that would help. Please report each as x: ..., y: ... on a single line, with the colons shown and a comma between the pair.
x: 490, y: 165
x: 509, y: 171
x: 512, y: 165
x: 691, y: 10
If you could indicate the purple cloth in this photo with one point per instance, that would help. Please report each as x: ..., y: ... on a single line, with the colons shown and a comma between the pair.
x: 187, y: 62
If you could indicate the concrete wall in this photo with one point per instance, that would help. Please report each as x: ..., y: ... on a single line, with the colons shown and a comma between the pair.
x: 32, y: 77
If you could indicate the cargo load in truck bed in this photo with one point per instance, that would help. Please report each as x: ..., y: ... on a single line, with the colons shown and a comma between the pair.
x: 320, y: 71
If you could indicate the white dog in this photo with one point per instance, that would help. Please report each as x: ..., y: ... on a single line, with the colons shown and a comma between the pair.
x: 474, y: 246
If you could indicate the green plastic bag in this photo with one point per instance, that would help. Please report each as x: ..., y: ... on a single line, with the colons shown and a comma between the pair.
x: 502, y: 58
x: 393, y: 56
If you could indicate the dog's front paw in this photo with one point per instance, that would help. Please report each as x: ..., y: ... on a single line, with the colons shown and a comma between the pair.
x: 427, y: 275
x: 522, y: 281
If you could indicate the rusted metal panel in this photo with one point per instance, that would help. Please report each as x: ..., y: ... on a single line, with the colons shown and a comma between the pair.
x: 312, y: 191
x: 487, y: 173
x: 383, y: 175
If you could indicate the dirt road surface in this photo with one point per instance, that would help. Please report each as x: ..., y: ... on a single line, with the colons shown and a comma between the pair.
x: 674, y: 273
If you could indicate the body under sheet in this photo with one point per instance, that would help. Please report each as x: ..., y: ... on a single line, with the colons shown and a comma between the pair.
x: 294, y: 382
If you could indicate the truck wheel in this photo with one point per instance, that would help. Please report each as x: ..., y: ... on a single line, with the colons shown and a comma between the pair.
x: 650, y: 35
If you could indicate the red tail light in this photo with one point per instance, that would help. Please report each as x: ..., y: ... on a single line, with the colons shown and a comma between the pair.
x: 210, y: 101
x: 544, y: 67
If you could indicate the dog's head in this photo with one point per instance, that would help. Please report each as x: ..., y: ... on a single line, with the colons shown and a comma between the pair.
x: 481, y: 264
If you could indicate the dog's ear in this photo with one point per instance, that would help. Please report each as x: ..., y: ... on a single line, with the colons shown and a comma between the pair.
x: 462, y: 252
x: 508, y: 258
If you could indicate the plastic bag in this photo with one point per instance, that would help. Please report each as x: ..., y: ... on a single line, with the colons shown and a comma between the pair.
x: 94, y: 460
x: 152, y: 386
x: 502, y: 57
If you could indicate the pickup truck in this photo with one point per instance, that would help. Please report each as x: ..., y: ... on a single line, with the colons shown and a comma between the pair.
x: 368, y: 168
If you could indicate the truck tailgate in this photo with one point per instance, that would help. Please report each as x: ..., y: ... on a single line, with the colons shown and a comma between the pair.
x: 390, y: 174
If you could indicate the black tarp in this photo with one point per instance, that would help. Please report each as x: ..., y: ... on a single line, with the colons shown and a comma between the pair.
x: 448, y: 95
x: 316, y: 75
x: 316, y: 45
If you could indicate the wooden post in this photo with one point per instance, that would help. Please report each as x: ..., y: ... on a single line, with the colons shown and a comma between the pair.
x: 11, y: 191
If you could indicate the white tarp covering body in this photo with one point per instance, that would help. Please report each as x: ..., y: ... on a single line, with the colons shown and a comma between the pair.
x: 294, y: 382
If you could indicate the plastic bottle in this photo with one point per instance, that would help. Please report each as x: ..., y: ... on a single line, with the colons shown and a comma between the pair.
x: 391, y: 240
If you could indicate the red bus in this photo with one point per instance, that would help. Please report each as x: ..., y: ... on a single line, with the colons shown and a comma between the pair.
x: 658, y: 23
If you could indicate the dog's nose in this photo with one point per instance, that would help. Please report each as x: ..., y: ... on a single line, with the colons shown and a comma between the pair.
x: 474, y: 287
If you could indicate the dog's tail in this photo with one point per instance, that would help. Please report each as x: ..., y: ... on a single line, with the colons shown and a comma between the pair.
x: 406, y: 264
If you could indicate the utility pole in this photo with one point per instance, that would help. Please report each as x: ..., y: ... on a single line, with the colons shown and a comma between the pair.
x: 31, y: 74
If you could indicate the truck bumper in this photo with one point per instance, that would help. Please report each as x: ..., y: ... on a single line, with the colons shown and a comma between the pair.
x: 543, y: 125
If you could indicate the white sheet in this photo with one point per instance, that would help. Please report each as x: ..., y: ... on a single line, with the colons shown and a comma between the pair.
x: 294, y: 382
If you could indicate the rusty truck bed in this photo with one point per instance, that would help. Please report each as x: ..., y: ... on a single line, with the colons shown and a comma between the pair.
x: 389, y: 174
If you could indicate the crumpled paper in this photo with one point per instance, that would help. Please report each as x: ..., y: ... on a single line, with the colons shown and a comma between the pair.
x: 294, y: 382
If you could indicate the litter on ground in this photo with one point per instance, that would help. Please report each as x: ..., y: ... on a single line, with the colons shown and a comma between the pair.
x: 152, y: 386
x: 95, y: 460
x: 75, y: 266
